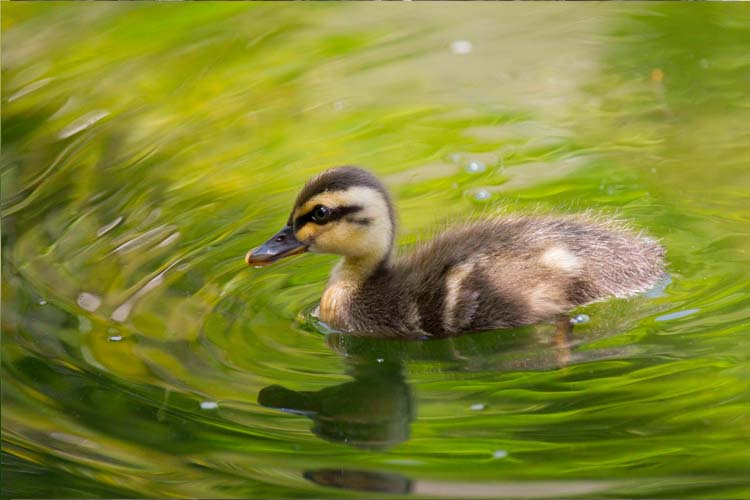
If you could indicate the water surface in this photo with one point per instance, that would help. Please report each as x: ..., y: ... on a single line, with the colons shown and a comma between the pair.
x: 147, y: 147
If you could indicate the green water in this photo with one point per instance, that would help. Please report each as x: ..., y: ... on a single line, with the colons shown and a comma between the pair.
x: 147, y: 147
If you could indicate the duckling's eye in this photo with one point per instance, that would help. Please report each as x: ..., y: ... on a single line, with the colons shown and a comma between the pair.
x: 321, y: 214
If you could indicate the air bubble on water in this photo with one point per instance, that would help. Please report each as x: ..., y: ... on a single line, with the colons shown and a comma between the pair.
x: 475, y: 167
x: 482, y: 195
x: 209, y: 405
x: 579, y: 319
x: 88, y: 301
x: 478, y: 407
x: 114, y: 335
x: 461, y: 47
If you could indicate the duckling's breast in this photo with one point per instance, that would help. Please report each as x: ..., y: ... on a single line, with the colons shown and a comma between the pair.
x: 335, y: 305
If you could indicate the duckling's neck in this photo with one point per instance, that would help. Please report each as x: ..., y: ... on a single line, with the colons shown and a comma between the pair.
x: 346, y: 278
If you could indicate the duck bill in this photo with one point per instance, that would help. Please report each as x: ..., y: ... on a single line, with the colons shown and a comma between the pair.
x: 280, y: 245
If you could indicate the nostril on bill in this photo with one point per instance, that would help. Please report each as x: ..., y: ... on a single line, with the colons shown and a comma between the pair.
x: 280, y: 238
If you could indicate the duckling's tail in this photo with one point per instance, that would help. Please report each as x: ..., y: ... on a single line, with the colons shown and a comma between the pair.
x: 620, y: 264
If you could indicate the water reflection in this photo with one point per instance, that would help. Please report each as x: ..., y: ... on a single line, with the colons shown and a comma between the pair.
x: 359, y: 480
x: 374, y: 411
x: 383, y: 482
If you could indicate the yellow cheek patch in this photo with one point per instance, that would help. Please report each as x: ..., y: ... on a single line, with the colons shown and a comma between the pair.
x: 337, y: 238
x: 307, y: 231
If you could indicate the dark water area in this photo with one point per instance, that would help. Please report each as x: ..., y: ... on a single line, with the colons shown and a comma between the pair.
x: 146, y: 147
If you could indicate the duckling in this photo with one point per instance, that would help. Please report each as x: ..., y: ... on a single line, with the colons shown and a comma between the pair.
x: 494, y: 273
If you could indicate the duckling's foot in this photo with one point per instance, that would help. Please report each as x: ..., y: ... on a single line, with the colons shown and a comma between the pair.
x: 562, y: 339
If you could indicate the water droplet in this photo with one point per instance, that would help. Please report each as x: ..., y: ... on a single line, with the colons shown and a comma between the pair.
x: 475, y: 167
x: 499, y: 454
x: 209, y: 405
x: 478, y: 407
x: 461, y: 47
x: 482, y: 195
x: 579, y: 319
x: 114, y: 335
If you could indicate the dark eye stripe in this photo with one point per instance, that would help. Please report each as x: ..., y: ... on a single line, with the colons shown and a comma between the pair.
x: 336, y: 214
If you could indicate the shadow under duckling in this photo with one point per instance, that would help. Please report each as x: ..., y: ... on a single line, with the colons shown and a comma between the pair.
x: 494, y: 273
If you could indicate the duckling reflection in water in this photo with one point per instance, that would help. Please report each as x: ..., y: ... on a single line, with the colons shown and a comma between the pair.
x: 494, y: 273
x: 374, y: 411
x: 359, y: 480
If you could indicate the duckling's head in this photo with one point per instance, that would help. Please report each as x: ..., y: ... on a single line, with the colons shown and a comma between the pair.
x: 345, y: 211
